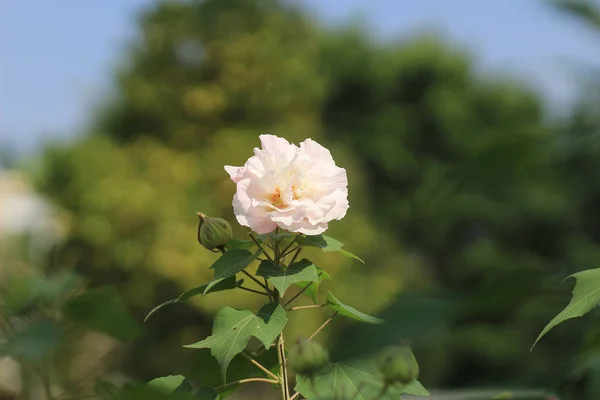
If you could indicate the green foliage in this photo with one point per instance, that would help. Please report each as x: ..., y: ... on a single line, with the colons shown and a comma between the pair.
x: 233, y: 328
x: 357, y: 379
x: 224, y: 284
x: 327, y: 244
x: 229, y: 264
x: 312, y: 288
x: 101, y: 309
x: 586, y: 297
x: 282, y: 278
x: 350, y: 312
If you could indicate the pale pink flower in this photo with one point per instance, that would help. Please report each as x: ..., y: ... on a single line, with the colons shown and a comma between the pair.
x: 299, y: 189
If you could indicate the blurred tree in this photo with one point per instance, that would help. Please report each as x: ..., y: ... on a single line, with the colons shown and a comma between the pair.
x: 459, y: 174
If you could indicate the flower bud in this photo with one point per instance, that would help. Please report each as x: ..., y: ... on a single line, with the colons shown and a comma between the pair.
x: 213, y: 232
x: 398, y: 364
x: 307, y: 358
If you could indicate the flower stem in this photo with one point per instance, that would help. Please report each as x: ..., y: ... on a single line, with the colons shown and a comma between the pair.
x: 323, y: 326
x: 260, y: 247
x: 260, y: 366
x: 259, y: 283
x: 304, y: 307
x: 241, y: 381
x: 285, y: 391
x: 253, y: 291
x: 298, y: 294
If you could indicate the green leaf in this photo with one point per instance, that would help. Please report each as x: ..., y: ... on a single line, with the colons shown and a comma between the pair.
x: 301, y: 271
x: 102, y: 310
x: 206, y: 393
x: 586, y: 296
x: 325, y: 243
x: 240, y: 244
x: 167, y: 384
x: 350, y: 312
x: 233, y: 328
x: 354, y: 380
x: 36, y: 342
x: 313, y: 287
x: 229, y: 264
x: 225, y: 284
x: 206, y: 369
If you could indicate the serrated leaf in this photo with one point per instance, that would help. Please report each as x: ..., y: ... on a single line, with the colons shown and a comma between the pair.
x: 350, y: 312
x: 233, y: 328
x: 313, y: 287
x: 225, y: 284
x: 586, y: 296
x: 358, y: 380
x: 229, y: 264
x: 102, y: 310
x: 327, y: 244
x: 301, y: 271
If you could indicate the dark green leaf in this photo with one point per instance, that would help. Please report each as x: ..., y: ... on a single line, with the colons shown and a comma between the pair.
x: 586, y: 296
x: 233, y: 328
x: 313, y: 287
x: 354, y: 380
x: 102, y: 310
x: 325, y: 243
x: 240, y: 244
x: 225, y: 284
x: 350, y: 312
x: 229, y: 264
x: 206, y: 393
x: 301, y: 271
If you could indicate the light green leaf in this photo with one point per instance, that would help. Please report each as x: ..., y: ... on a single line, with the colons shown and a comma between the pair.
x: 301, y: 271
x: 357, y: 380
x: 229, y: 264
x: 350, y: 312
x: 167, y: 384
x: 102, y: 310
x: 586, y: 296
x: 233, y: 328
x: 325, y: 243
x: 225, y: 284
x: 313, y: 287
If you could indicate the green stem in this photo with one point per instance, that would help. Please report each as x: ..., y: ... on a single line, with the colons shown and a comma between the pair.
x: 257, y: 243
x: 285, y: 392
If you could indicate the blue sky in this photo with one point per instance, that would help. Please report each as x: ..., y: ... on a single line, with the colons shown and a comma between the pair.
x: 56, y: 56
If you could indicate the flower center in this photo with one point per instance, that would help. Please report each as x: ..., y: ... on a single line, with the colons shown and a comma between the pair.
x: 277, y: 201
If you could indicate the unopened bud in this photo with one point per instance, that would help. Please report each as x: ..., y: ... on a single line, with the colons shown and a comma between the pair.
x: 398, y: 364
x: 307, y: 358
x: 213, y: 232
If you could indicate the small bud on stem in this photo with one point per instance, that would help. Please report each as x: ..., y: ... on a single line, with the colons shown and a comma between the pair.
x: 213, y: 232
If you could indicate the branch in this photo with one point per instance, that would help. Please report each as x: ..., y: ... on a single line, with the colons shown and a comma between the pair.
x: 259, y: 283
x: 249, y: 380
x: 260, y: 246
x: 252, y: 290
x: 323, y: 326
x: 303, y: 307
x: 298, y: 294
x: 260, y: 366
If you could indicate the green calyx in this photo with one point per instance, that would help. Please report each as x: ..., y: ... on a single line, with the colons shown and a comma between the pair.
x: 213, y: 232
x: 308, y: 358
x: 397, y: 364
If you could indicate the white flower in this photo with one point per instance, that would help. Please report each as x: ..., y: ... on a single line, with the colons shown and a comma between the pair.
x: 299, y: 189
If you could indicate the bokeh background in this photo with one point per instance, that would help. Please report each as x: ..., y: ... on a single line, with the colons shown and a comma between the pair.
x: 471, y: 135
